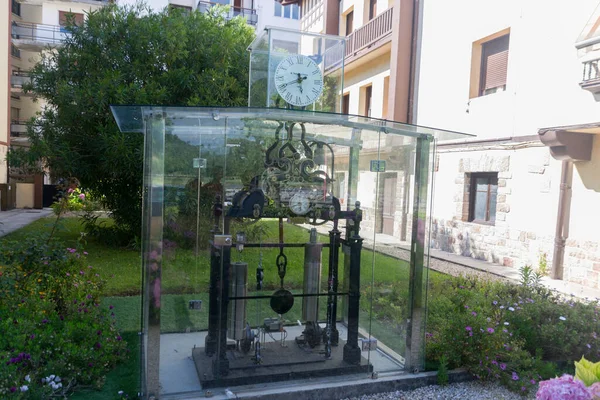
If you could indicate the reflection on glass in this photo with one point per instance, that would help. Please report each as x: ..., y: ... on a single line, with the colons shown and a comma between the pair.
x: 268, y: 233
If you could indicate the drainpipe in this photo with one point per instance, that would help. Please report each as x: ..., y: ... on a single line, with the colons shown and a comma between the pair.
x: 562, y: 220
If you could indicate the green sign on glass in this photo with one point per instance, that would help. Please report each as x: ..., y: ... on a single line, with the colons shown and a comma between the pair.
x: 377, y: 166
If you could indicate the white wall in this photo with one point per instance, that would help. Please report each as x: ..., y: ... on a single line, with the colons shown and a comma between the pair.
x: 50, y: 10
x: 543, y: 68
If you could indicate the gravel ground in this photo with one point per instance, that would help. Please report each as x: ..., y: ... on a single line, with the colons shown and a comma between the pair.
x: 457, y: 391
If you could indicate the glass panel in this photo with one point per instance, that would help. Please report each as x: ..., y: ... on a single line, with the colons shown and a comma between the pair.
x: 481, y: 184
x: 287, y: 12
x: 274, y: 237
x: 277, y: 9
x: 493, y: 197
x: 295, y: 11
x: 480, y: 206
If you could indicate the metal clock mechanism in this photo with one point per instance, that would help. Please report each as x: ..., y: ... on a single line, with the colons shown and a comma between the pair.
x: 295, y: 185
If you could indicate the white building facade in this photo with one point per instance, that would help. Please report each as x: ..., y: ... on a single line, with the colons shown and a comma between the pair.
x: 510, y: 73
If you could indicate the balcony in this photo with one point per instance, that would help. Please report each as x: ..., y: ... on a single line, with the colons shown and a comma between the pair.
x: 376, y: 32
x: 36, y: 37
x: 18, y: 129
x: 91, y: 2
x: 591, y: 76
x: 248, y: 13
x: 17, y: 80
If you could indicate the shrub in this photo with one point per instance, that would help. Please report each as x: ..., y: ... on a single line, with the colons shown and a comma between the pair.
x: 55, y: 335
x: 510, y: 333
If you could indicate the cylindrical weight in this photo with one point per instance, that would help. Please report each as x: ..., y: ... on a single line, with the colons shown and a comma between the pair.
x: 312, y: 278
x: 237, y: 308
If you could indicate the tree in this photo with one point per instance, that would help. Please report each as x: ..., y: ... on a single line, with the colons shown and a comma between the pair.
x: 129, y: 55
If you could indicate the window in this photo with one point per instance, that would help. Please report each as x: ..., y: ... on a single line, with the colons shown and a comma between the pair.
x: 346, y: 104
x: 372, y: 9
x: 291, y: 11
x: 368, y: 97
x: 494, y: 63
x: 482, y: 200
x: 65, y: 16
x: 349, y: 22
x: 14, y: 51
x: 16, y: 7
x: 15, y: 114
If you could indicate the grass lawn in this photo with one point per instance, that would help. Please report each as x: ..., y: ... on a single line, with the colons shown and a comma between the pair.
x: 185, y: 277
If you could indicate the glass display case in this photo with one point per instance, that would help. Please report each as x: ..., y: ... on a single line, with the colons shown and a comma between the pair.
x: 269, y: 53
x: 266, y: 245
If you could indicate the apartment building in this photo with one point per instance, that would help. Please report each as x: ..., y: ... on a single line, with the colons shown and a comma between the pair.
x: 523, y: 77
x: 258, y: 13
x: 32, y: 26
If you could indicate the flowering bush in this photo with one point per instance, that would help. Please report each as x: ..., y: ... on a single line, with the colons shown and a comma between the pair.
x: 55, y: 335
x: 506, y: 332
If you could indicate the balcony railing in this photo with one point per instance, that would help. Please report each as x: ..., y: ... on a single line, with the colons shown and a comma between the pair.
x: 19, y: 78
x: 43, y: 34
x: 18, y: 128
x: 591, y: 75
x: 365, y: 36
x: 248, y: 13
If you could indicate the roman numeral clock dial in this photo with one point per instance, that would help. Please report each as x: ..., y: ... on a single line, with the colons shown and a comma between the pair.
x: 298, y: 80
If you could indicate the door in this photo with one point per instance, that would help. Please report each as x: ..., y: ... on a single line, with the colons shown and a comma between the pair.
x: 389, y: 204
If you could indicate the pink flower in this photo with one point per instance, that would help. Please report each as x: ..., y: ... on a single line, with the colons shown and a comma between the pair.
x: 595, y: 390
x: 70, y: 190
x: 82, y: 196
x: 563, y: 388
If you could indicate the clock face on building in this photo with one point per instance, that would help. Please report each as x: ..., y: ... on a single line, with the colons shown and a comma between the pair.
x: 299, y: 80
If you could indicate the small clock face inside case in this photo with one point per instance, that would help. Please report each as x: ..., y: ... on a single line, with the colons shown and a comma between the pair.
x: 298, y: 80
x: 299, y: 204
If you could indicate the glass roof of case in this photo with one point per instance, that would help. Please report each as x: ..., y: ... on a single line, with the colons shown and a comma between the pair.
x: 182, y: 120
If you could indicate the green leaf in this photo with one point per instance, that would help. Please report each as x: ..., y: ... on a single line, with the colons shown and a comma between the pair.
x: 587, y: 372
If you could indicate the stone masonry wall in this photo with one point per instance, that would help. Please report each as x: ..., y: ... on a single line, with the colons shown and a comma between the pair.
x: 500, y: 243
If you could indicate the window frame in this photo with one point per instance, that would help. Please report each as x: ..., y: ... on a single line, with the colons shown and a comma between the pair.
x: 484, y: 63
x: 491, y: 176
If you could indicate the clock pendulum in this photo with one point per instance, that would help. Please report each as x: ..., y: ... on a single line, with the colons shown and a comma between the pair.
x: 282, y: 300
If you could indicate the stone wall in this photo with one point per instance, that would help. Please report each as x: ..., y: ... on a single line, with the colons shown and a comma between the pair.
x: 522, y: 234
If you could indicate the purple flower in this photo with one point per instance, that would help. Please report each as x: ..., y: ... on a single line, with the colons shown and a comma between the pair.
x: 532, y: 381
x: 44, y: 321
x: 468, y: 328
x: 490, y: 330
x: 502, y: 366
x: 85, y: 253
x: 111, y: 307
x: 97, y: 345
x: 515, y: 377
x: 563, y: 388
x: 81, y: 273
x: 89, y: 296
x: 473, y: 313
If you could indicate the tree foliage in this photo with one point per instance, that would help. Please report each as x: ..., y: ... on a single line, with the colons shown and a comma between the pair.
x: 129, y: 55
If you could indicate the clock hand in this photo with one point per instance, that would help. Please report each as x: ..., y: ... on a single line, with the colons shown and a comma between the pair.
x: 294, y: 81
